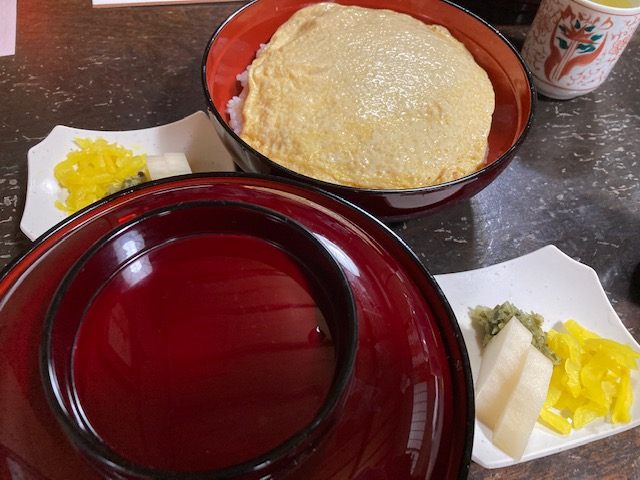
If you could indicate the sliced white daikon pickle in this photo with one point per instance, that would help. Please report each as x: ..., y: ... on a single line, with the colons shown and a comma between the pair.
x: 501, y: 363
x: 167, y: 165
x: 515, y: 424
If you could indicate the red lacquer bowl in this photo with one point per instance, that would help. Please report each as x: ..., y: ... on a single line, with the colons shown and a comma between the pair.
x: 234, y: 44
x: 408, y: 410
x: 208, y: 339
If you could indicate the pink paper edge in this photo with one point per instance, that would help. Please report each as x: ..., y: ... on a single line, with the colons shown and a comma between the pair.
x: 8, y: 27
x: 140, y: 3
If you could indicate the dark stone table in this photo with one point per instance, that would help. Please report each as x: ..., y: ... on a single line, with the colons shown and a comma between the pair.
x: 575, y: 182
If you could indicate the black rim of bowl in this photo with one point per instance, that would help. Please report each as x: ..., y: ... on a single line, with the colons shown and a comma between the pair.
x: 97, y: 451
x: 373, y: 191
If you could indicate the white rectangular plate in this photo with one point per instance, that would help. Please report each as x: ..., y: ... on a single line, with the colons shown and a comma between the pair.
x: 194, y: 136
x: 554, y: 285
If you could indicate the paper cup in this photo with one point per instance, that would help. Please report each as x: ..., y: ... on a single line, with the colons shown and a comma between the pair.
x: 572, y: 45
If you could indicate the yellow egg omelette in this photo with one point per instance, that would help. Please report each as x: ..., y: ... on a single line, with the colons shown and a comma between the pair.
x: 368, y: 98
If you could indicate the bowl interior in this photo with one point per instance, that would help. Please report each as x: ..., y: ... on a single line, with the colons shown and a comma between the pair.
x: 234, y: 45
x: 203, y: 336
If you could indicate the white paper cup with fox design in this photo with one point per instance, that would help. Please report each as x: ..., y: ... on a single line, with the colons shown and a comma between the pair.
x: 572, y: 45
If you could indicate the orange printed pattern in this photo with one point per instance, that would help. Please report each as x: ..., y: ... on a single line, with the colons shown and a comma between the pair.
x: 576, y: 40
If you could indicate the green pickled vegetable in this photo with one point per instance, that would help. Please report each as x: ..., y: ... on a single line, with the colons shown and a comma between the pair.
x: 492, y: 320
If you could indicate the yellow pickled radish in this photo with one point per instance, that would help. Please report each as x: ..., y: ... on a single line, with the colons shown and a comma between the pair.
x: 555, y: 421
x: 622, y: 355
x: 579, y: 332
x: 555, y: 388
x: 564, y: 345
x: 591, y: 377
x: 572, y: 369
x: 587, y: 413
x: 591, y: 381
x: 568, y: 403
x: 622, y: 406
x: 97, y: 169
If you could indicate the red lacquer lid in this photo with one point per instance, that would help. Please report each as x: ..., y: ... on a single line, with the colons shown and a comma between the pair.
x: 408, y: 411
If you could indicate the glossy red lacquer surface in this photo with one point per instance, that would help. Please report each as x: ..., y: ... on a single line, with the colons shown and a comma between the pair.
x: 199, y: 337
x: 409, y: 408
x: 216, y: 387
x: 179, y: 385
x: 233, y: 47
